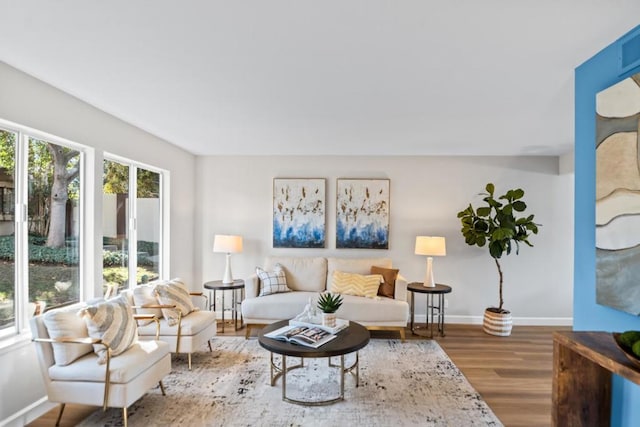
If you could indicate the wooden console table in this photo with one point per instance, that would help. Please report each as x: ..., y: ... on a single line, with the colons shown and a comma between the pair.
x: 583, y: 363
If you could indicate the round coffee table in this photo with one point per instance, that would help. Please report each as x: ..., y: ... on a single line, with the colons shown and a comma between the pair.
x: 349, y: 340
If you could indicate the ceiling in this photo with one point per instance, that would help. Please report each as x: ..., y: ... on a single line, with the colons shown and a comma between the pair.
x: 301, y: 77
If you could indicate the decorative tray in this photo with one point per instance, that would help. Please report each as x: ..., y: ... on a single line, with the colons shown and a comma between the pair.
x: 627, y: 352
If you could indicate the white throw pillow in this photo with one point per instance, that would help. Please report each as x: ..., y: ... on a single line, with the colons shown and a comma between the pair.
x: 273, y: 282
x: 174, y: 292
x: 64, y: 323
x: 112, y: 322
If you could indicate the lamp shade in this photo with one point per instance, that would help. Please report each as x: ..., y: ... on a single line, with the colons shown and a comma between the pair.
x: 430, y: 246
x: 227, y: 244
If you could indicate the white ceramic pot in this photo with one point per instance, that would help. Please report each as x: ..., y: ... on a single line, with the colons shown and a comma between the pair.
x: 329, y: 319
x: 498, y: 324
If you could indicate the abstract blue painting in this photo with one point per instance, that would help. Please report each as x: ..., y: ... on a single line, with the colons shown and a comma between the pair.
x: 362, y: 214
x: 299, y: 212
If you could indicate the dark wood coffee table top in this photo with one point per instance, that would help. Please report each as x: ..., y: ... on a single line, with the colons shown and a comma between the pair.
x: 349, y: 340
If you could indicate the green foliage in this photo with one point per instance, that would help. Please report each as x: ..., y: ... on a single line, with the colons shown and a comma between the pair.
x: 497, y: 226
x: 496, y: 223
x: 329, y: 303
x: 116, y: 180
x: 629, y: 338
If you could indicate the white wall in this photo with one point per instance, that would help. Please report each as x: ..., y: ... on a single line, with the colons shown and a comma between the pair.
x: 30, y: 102
x: 235, y: 197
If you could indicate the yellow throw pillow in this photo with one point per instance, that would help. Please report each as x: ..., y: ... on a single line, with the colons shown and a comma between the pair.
x: 355, y: 284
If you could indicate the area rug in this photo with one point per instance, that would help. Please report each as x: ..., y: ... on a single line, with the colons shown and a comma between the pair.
x: 401, y: 384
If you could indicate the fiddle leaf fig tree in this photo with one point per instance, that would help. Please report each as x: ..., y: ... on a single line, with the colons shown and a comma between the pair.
x: 498, y: 225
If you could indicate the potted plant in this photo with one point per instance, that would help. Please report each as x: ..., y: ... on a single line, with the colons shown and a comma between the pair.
x: 497, y: 226
x: 329, y: 303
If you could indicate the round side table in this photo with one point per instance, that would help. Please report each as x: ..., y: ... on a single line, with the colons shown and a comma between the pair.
x: 433, y: 309
x: 217, y: 285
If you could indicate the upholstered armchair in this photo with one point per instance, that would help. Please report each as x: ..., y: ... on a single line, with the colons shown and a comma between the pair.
x: 73, y: 371
x: 185, y: 327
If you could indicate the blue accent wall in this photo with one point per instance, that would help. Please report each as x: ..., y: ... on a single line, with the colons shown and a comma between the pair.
x: 596, y: 74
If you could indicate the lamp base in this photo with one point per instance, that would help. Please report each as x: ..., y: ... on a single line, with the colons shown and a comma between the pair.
x: 227, y: 279
x: 428, y: 278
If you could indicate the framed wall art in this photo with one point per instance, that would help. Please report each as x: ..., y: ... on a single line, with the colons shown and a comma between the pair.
x: 362, y: 213
x: 618, y: 196
x: 299, y: 212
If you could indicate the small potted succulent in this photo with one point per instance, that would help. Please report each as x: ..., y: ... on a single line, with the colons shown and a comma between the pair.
x: 329, y: 303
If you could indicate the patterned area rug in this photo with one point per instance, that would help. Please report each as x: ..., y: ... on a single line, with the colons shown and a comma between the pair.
x: 401, y: 384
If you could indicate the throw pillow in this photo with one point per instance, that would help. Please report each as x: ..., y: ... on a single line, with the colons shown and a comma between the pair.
x: 112, y: 322
x: 145, y: 295
x: 64, y: 323
x: 355, y: 284
x: 388, y: 287
x: 174, y: 292
x: 273, y: 282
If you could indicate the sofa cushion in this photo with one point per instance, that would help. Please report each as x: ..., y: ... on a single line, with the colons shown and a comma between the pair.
x: 373, y: 310
x: 278, y: 306
x: 388, y: 286
x: 303, y: 273
x: 123, y: 368
x: 272, y: 282
x: 355, y: 284
x: 65, y: 322
x: 354, y: 265
x: 112, y: 322
x: 191, y: 324
x: 174, y: 292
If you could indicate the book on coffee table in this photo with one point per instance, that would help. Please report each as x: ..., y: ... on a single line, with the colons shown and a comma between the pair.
x: 302, y: 335
x: 340, y: 325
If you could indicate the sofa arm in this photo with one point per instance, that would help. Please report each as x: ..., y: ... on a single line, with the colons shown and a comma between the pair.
x: 401, y: 288
x: 251, y: 286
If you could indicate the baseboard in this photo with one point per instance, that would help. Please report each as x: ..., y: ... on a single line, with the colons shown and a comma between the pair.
x: 28, y: 414
x: 522, y: 321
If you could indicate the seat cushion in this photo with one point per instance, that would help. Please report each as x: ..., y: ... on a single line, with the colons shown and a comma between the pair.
x: 303, y: 273
x: 277, y: 306
x: 373, y: 310
x: 124, y: 367
x: 192, y: 324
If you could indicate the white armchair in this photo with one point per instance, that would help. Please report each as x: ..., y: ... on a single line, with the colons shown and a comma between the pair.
x: 188, y: 333
x: 72, y: 374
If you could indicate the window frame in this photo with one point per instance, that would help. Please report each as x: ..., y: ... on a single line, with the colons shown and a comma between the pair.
x: 132, y: 218
x: 20, y: 194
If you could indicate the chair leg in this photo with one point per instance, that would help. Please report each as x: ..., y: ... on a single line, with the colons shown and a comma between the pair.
x: 124, y: 416
x: 247, y: 332
x: 189, y: 355
x: 62, y: 405
x: 402, y: 336
x: 209, y: 342
x: 162, y: 388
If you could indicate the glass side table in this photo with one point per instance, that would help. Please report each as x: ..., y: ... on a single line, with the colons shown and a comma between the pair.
x: 237, y: 285
x: 435, y: 309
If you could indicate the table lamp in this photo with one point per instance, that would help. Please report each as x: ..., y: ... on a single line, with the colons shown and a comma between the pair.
x: 430, y: 246
x: 229, y: 245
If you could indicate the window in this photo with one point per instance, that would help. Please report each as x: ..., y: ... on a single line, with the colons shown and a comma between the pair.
x: 131, y: 225
x: 40, y: 227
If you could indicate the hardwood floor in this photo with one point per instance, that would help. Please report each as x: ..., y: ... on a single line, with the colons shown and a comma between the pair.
x: 513, y: 374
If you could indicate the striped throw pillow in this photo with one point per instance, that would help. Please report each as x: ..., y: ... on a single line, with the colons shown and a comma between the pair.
x: 112, y: 322
x: 272, y: 282
x: 356, y: 284
x: 174, y: 292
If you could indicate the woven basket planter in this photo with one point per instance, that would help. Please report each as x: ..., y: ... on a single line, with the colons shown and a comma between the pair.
x: 498, y: 324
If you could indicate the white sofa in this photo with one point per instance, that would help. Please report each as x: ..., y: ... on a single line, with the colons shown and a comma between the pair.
x: 307, y: 277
